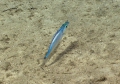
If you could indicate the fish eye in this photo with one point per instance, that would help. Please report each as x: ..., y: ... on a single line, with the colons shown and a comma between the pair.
x: 66, y: 26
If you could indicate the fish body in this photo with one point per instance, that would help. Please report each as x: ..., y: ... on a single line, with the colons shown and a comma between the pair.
x: 56, y: 39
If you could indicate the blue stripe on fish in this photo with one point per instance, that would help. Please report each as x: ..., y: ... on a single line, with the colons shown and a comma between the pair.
x: 56, y: 39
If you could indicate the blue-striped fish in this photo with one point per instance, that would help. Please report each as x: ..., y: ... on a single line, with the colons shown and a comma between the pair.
x: 56, y: 39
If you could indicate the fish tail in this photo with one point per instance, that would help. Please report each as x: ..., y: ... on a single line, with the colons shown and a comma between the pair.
x: 45, y: 57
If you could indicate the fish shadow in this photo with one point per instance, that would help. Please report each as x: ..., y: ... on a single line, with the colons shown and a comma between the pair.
x: 72, y: 46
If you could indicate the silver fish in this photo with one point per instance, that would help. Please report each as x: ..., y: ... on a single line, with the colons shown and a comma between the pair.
x: 56, y: 39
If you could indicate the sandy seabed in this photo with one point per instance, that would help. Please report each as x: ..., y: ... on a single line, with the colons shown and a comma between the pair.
x: 89, y: 52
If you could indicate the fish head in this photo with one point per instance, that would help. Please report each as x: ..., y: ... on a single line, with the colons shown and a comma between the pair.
x: 64, y: 26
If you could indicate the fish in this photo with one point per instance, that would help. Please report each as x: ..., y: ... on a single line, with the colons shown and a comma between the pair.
x: 56, y: 39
